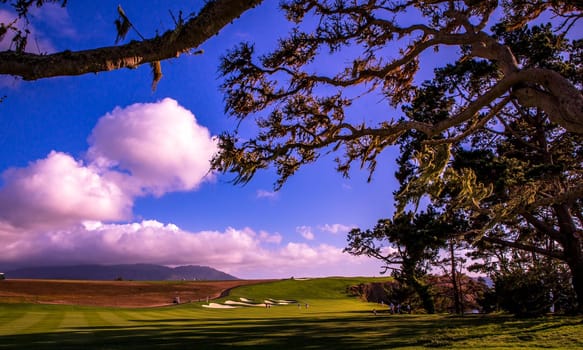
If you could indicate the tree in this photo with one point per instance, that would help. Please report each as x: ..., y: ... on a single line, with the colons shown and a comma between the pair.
x: 471, y: 290
x: 523, y: 294
x: 516, y: 272
x: 407, y: 245
x: 495, y: 136
x: 188, y: 34
x: 455, y: 275
x: 518, y: 181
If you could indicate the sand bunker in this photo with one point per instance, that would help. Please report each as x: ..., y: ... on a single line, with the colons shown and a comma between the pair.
x: 244, y: 302
x: 219, y: 306
x: 232, y: 302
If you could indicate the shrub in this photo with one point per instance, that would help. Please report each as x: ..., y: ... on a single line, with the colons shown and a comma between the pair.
x: 523, y: 293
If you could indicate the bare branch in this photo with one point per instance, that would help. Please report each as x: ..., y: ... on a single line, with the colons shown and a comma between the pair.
x: 212, y: 18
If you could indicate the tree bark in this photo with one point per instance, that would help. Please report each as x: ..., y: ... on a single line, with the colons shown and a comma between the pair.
x: 542, y: 88
x: 424, y: 293
x: 555, y: 95
x: 454, y: 281
x: 211, y: 19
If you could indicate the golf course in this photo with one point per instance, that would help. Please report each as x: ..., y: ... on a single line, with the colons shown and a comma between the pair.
x: 321, y: 316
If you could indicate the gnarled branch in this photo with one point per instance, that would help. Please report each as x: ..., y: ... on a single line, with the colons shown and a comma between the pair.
x: 211, y: 19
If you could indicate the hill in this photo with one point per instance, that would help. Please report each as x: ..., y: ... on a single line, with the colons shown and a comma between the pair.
x: 135, y: 272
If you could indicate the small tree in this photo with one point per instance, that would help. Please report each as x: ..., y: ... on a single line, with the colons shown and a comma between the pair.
x: 406, y: 245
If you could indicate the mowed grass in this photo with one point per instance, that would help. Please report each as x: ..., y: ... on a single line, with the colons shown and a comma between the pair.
x: 332, y: 320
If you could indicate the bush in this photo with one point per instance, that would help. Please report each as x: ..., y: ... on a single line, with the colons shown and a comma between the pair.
x: 523, y: 293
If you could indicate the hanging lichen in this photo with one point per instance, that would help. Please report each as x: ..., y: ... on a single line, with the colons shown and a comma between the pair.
x: 156, y: 73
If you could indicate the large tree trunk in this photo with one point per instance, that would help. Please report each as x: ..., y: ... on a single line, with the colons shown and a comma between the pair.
x: 211, y: 19
x: 424, y: 293
x: 572, y: 243
x: 577, y: 280
x: 574, y: 259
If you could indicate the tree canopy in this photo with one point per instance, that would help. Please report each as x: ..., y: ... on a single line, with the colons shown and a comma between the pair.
x: 299, y: 120
x: 494, y: 137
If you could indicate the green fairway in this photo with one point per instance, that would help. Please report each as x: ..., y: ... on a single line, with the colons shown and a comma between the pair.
x: 332, y: 320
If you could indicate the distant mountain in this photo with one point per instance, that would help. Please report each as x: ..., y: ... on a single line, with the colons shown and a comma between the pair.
x: 136, y: 272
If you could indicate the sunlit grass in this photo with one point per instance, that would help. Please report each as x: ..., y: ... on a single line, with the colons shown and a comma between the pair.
x: 332, y: 321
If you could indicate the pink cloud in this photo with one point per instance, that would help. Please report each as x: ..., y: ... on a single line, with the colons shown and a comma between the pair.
x: 306, y: 232
x: 159, y: 144
x: 335, y: 228
x: 59, y: 190
x: 270, y: 238
x: 240, y: 252
x: 61, y: 210
x: 144, y: 148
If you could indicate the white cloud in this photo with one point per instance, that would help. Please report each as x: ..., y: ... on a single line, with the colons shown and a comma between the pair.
x: 306, y: 232
x: 59, y: 209
x: 60, y: 190
x: 335, y: 228
x: 159, y: 144
x: 270, y: 238
x: 266, y: 194
x: 143, y: 149
x: 236, y: 251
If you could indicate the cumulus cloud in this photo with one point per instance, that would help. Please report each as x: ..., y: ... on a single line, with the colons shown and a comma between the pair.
x: 59, y: 189
x: 270, y: 238
x: 63, y: 210
x: 149, y: 148
x: 159, y: 144
x: 237, y: 251
x: 335, y: 228
x: 306, y: 232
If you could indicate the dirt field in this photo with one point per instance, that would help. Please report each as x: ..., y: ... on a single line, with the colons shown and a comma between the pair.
x: 113, y: 293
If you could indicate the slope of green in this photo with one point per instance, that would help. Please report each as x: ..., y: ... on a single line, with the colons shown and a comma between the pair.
x: 332, y: 321
x: 333, y: 288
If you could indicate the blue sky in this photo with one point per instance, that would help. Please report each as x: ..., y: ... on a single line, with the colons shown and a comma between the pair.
x: 101, y: 169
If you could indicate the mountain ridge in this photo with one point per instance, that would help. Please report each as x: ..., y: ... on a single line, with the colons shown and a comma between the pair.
x: 134, y: 272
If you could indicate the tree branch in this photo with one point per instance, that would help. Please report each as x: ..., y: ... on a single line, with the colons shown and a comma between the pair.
x: 211, y: 19
x: 525, y: 247
x: 541, y: 226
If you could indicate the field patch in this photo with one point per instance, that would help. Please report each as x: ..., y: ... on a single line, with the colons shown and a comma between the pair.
x: 113, y: 293
x: 23, y: 324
